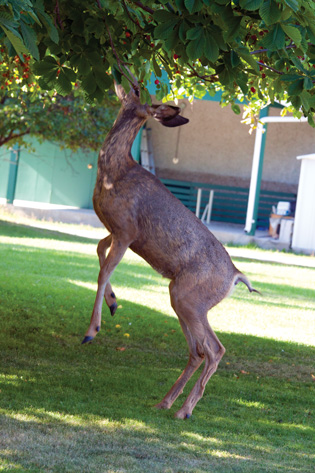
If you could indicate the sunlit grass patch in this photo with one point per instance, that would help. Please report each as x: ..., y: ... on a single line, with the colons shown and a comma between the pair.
x: 65, y: 407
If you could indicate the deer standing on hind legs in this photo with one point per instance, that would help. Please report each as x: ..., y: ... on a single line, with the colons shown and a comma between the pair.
x: 141, y: 214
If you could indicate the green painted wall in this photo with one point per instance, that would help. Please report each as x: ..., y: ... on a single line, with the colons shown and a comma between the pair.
x: 51, y: 175
x: 5, y: 155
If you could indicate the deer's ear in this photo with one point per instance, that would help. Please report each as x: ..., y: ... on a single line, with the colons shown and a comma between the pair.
x: 176, y: 121
x: 168, y: 115
x: 120, y: 92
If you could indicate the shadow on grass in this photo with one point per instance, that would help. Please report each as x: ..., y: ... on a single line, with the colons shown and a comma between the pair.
x: 67, y: 408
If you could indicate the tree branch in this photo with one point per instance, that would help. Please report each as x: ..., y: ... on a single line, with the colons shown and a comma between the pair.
x: 144, y: 7
x: 204, y: 78
x: 262, y: 64
x: 130, y: 17
x: 58, y: 17
x: 119, y: 61
x: 290, y: 46
x: 13, y: 136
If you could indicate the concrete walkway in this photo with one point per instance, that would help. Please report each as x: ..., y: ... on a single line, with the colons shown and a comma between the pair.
x: 87, y: 225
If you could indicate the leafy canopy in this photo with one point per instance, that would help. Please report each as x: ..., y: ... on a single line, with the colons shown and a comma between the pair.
x: 254, y: 50
x: 26, y: 110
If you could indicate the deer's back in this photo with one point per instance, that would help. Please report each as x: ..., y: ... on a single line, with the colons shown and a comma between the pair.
x: 162, y: 230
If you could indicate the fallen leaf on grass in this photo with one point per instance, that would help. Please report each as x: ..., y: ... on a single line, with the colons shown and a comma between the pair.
x: 120, y: 348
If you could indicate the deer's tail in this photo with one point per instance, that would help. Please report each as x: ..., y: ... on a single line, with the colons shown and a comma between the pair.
x: 242, y: 278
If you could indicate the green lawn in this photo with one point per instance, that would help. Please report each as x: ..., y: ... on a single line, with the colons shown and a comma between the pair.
x: 67, y: 407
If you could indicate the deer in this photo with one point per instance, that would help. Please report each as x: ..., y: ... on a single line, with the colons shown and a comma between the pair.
x: 140, y: 213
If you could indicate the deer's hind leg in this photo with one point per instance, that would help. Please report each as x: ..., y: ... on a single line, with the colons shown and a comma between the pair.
x: 203, y: 345
x: 195, y: 360
x: 109, y: 295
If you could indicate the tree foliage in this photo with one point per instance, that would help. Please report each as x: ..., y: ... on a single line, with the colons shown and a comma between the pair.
x: 254, y: 50
x: 26, y: 110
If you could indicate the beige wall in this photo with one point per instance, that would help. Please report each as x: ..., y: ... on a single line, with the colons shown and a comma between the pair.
x: 214, y: 146
x: 286, y: 141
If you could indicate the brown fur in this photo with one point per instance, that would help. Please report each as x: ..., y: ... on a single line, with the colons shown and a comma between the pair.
x: 140, y: 213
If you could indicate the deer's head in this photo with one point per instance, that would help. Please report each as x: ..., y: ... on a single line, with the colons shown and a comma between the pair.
x: 167, y: 115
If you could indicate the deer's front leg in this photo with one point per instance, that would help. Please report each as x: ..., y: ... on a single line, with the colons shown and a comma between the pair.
x: 115, y: 254
x: 109, y: 294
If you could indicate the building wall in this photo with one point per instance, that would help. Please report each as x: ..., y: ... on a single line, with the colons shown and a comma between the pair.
x: 215, y: 146
x: 286, y: 141
x: 5, y: 154
x: 51, y: 175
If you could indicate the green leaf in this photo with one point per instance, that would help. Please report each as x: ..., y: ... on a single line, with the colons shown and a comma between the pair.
x: 298, y: 64
x: 15, y: 40
x: 275, y: 39
x: 242, y: 81
x: 226, y: 77
x: 102, y: 79
x: 308, y: 83
x: 183, y: 27
x: 232, y: 28
x: 89, y: 83
x: 293, y: 33
x: 250, y: 5
x: 194, y: 33
x: 7, y: 20
x: 236, y: 109
x: 270, y: 12
x: 70, y: 74
x: 305, y: 99
x: 211, y: 50
x: 296, y: 87
x: 83, y: 66
x: 45, y: 66
x: 195, y: 48
x: 293, y: 4
x: 310, y: 120
x: 243, y: 52
x: 311, y: 34
x: 98, y: 94
x: 193, y: 5
x: 47, y: 21
x: 172, y: 40
x: 235, y: 60
x: 29, y: 37
x: 290, y: 77
x: 163, y: 30
x: 63, y: 84
x: 161, y: 16
x: 156, y: 67
x: 219, y: 2
x: 145, y: 96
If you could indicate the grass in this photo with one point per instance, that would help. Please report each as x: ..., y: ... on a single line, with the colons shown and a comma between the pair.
x: 70, y: 408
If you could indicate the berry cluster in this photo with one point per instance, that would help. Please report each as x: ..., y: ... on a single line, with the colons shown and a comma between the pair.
x: 15, y: 71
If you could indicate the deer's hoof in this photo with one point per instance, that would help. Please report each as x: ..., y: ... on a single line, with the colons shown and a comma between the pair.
x: 87, y: 339
x: 162, y: 405
x: 113, y: 308
x: 182, y: 415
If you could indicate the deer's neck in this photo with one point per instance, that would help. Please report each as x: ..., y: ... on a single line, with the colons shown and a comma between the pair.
x: 115, y: 155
